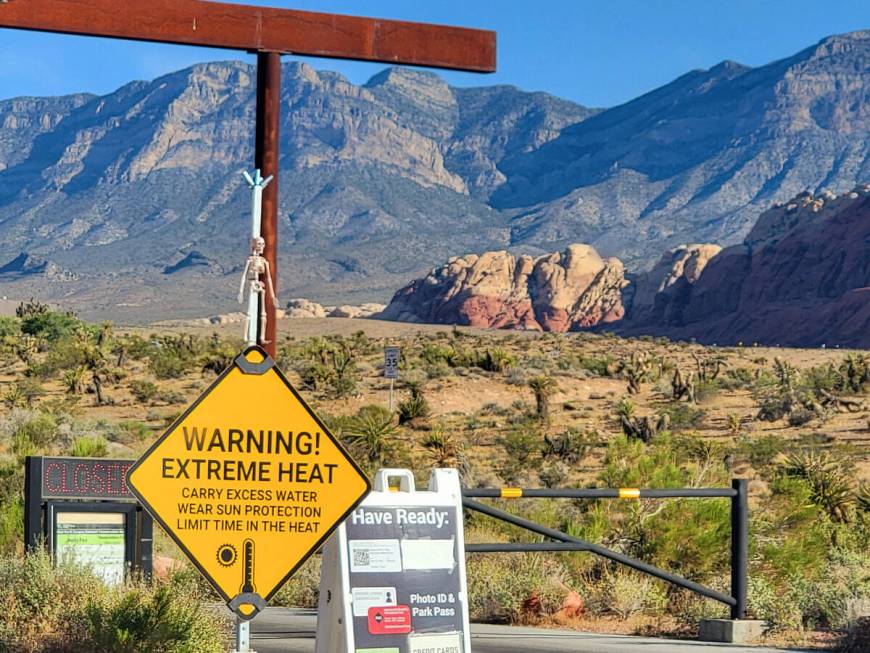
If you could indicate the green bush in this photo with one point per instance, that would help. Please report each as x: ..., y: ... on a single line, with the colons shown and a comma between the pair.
x: 685, y: 416
x: 303, y: 590
x: 500, y: 586
x: 34, y: 428
x: 169, y: 364
x: 89, y: 447
x: 144, y: 391
x: 143, y: 619
x: 51, y: 325
x: 47, y: 608
x: 9, y: 326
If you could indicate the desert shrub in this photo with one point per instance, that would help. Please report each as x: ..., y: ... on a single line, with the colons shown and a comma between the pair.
x: 685, y: 416
x: 522, y: 446
x: 443, y: 449
x: 800, y: 416
x: 143, y: 390
x: 34, y: 428
x: 303, y: 590
x: 625, y: 593
x: 828, y: 478
x: 329, y: 365
x: 737, y: 378
x: 29, y: 389
x: 11, y: 506
x: 51, y: 325
x: 761, y: 452
x: 143, y: 619
x: 499, y: 587
x: 172, y: 397
x: 169, y: 364
x: 543, y: 387
x: 9, y: 326
x: 570, y: 446
x: 554, y: 474
x: 48, y: 608
x: 707, y: 389
x: 137, y: 431
x: 416, y: 407
x: 811, y: 600
x: 435, y: 354
x: 89, y: 447
x: 598, y: 365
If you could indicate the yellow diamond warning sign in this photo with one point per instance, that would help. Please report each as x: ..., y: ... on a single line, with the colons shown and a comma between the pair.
x: 248, y: 482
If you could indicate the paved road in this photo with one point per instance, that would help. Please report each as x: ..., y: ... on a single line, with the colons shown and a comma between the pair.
x: 281, y: 630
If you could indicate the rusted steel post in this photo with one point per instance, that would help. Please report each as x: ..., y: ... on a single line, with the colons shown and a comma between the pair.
x: 266, y: 155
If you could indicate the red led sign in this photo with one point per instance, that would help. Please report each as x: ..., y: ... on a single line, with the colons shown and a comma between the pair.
x: 81, y: 478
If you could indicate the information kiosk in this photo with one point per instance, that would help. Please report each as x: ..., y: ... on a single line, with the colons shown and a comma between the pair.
x: 393, y: 577
x: 83, y: 511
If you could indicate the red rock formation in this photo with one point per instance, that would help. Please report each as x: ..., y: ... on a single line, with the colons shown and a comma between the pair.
x: 557, y: 292
x: 801, y: 277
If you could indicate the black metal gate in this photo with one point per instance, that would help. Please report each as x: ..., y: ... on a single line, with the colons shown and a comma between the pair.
x: 561, y: 541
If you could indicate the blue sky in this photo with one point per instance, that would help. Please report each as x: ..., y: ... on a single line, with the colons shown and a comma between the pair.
x: 597, y: 53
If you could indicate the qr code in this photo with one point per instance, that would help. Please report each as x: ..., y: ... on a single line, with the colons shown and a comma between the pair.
x: 361, y: 558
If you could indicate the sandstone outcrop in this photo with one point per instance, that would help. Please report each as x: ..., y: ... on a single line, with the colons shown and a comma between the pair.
x: 666, y: 287
x: 559, y: 292
x: 305, y: 308
x: 800, y: 278
x: 301, y: 308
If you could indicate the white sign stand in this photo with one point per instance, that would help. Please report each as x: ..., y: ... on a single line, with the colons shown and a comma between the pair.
x: 393, y: 575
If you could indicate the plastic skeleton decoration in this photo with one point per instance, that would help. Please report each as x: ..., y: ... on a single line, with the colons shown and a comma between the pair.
x: 256, y: 267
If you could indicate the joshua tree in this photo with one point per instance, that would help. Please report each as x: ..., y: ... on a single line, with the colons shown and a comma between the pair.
x: 636, y: 370
x: 683, y: 386
x: 543, y: 386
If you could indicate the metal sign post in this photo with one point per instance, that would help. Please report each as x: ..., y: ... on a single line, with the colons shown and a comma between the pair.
x: 392, y: 358
x: 243, y: 637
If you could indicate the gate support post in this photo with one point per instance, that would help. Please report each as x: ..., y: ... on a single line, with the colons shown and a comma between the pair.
x: 739, y: 546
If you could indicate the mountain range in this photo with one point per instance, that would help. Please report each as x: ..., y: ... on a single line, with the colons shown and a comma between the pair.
x: 132, y: 206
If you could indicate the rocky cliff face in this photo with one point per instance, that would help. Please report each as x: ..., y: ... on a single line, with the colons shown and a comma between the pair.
x: 801, y: 277
x: 698, y: 159
x: 381, y: 181
x: 557, y: 292
x: 659, y: 295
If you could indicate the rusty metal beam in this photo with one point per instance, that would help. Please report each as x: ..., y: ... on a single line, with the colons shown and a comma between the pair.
x: 266, y: 157
x: 240, y: 27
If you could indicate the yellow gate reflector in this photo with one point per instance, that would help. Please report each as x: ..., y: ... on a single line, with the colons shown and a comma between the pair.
x: 629, y: 493
x: 248, y: 482
x: 511, y: 493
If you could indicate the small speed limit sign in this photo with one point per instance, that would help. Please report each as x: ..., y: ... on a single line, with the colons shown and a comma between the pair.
x: 392, y: 356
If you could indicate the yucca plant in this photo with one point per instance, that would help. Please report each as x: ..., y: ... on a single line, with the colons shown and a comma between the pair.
x: 862, y: 497
x: 370, y: 432
x: 442, y: 447
x: 734, y: 424
x: 74, y: 380
x: 831, y: 488
x: 14, y: 397
x: 543, y: 387
x: 497, y: 359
